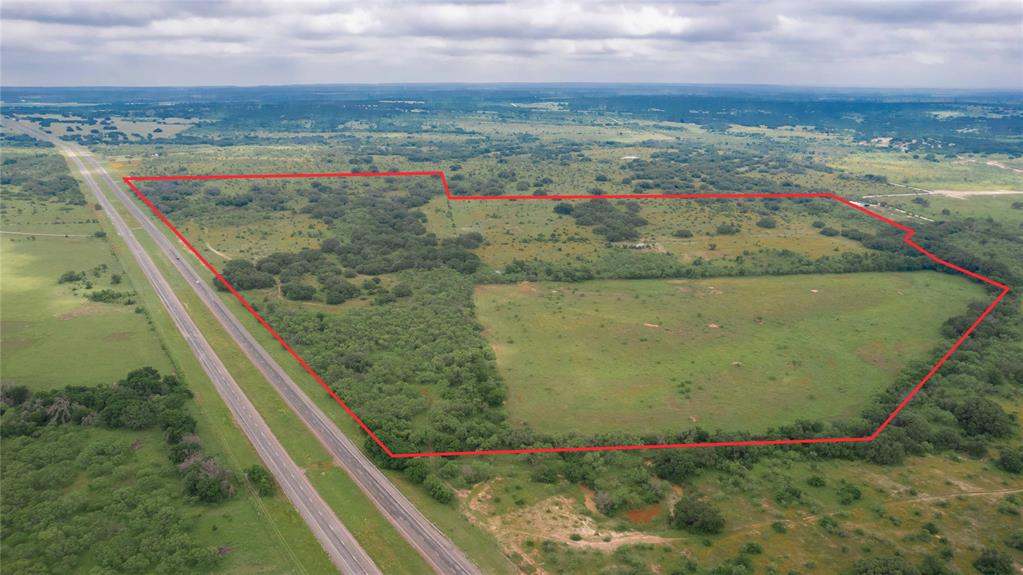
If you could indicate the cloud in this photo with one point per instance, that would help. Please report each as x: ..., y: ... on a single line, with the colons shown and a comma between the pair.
x: 871, y: 43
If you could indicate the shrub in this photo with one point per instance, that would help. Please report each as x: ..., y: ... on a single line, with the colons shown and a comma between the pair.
x: 1015, y: 540
x: 848, y: 493
x: 682, y: 234
x: 884, y: 566
x: 697, y: 516
x: 728, y: 230
x: 261, y: 479
x: 437, y: 489
x: 298, y: 291
x: 751, y: 548
x: 339, y: 291
x: 767, y: 222
x: 993, y: 562
x: 71, y: 276
x: 816, y: 481
x: 1011, y: 460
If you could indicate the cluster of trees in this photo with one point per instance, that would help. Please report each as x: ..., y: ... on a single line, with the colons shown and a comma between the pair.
x: 41, y: 175
x: 131, y: 519
x: 616, y: 223
x: 417, y: 371
x: 297, y: 272
x: 198, y: 199
x: 142, y: 400
x: 381, y: 232
x: 77, y: 501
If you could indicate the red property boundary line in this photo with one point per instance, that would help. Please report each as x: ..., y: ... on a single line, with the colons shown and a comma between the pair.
x: 447, y: 192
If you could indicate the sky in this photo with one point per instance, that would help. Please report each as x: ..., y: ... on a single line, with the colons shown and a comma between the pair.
x: 877, y: 43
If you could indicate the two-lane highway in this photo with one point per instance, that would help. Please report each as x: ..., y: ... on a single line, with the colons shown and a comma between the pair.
x: 423, y: 535
x: 341, y: 546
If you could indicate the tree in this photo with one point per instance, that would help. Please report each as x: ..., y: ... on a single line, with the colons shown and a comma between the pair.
x: 675, y: 465
x: 993, y: 562
x: 339, y: 291
x: 1011, y: 460
x: 437, y: 489
x: 14, y: 395
x: 694, y: 515
x: 330, y: 245
x: 261, y: 479
x: 298, y: 291
x: 981, y: 416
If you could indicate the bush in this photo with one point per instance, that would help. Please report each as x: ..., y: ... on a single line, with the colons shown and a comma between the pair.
x: 993, y: 562
x: 767, y: 222
x: 438, y: 490
x: 848, y: 493
x: 728, y: 230
x: 1015, y: 540
x: 816, y: 481
x: 751, y: 548
x: 261, y: 479
x: 884, y: 566
x: 339, y: 291
x: 70, y: 276
x: 830, y: 232
x: 682, y: 234
x: 1011, y: 460
x: 697, y: 516
x: 298, y: 291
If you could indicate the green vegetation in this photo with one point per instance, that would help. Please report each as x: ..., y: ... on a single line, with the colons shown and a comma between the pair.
x: 85, y: 500
x: 374, y: 283
x: 63, y: 291
x: 116, y: 478
x: 646, y: 356
x: 697, y: 516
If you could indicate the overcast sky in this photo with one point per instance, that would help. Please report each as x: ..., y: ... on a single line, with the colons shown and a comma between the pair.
x: 890, y: 43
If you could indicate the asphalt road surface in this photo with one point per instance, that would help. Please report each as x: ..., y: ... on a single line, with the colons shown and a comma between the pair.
x: 341, y: 546
x: 423, y: 535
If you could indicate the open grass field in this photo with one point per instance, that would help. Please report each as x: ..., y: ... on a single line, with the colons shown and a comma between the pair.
x: 999, y: 208
x: 965, y: 174
x: 728, y: 353
x: 52, y: 335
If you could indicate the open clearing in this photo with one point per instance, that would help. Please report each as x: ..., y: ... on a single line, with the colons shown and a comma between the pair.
x: 54, y: 337
x: 728, y: 353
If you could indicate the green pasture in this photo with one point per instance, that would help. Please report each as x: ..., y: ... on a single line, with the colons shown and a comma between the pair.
x: 1000, y: 208
x: 966, y: 174
x: 728, y: 353
x: 52, y: 335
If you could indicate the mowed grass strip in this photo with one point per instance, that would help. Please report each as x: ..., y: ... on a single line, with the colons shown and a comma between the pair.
x: 723, y: 353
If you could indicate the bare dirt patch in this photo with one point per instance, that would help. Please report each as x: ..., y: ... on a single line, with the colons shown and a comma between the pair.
x: 555, y: 518
x: 960, y: 195
x: 643, y: 515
